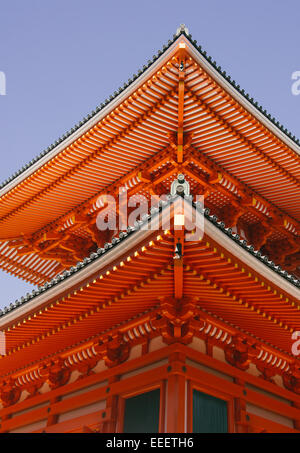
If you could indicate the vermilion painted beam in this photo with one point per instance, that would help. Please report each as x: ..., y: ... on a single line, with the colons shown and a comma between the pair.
x: 176, y: 395
x: 181, y: 61
x: 175, y: 373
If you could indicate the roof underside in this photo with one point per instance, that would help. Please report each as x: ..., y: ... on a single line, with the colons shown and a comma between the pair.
x: 247, y: 173
x: 138, y: 279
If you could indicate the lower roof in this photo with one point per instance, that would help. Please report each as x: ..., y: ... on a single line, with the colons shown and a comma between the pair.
x: 225, y: 276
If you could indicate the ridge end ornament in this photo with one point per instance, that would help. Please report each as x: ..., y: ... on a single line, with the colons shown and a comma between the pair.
x: 182, y: 28
x: 180, y: 186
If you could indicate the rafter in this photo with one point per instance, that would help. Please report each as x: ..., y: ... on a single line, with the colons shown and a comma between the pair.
x: 244, y: 196
x: 123, y: 133
x: 227, y: 289
x: 234, y: 132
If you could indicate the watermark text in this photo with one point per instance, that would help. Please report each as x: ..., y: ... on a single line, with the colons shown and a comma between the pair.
x: 2, y: 84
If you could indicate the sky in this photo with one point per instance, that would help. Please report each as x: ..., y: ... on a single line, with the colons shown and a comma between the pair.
x: 61, y: 58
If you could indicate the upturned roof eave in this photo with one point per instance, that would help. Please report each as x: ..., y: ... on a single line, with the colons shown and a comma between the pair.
x: 97, y: 261
x: 88, y: 122
x: 243, y: 98
x: 109, y: 104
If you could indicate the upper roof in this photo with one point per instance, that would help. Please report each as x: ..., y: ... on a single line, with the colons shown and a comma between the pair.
x: 234, y: 150
x: 181, y: 31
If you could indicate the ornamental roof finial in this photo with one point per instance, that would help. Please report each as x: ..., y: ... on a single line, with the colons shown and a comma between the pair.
x: 182, y: 28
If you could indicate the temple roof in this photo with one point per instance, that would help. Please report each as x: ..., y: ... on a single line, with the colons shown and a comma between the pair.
x: 182, y: 30
x: 224, y: 275
x: 246, y: 166
x: 119, y: 242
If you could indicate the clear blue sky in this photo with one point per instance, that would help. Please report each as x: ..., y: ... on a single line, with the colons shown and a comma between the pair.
x: 63, y: 57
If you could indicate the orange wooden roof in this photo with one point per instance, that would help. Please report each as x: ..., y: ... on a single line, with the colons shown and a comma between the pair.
x: 136, y: 276
x: 171, y: 118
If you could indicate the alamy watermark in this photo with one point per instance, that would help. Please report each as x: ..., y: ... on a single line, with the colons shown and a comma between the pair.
x: 295, y: 88
x: 123, y: 213
x: 2, y: 84
x: 133, y: 212
x: 2, y: 343
x: 296, y: 343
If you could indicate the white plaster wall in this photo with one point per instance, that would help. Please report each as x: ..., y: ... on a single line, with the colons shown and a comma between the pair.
x: 269, y: 394
x: 29, y: 428
x: 31, y: 408
x: 269, y: 415
x: 198, y: 344
x: 218, y: 354
x: 100, y: 367
x: 135, y: 352
x: 84, y: 390
x: 205, y: 368
x: 156, y: 343
x: 253, y: 370
x: 74, y: 376
x: 144, y: 369
x: 98, y: 406
x: 278, y: 380
x: 45, y: 388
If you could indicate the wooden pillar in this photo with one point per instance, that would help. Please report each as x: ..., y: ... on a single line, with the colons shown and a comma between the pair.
x: 109, y: 426
x: 297, y: 421
x: 240, y: 417
x: 4, y: 418
x: 53, y: 418
x: 176, y: 395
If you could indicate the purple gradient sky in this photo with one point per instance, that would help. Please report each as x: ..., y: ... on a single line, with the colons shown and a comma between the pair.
x: 63, y: 57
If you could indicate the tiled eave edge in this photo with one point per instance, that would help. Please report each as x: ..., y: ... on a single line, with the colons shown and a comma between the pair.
x: 133, y: 237
x: 252, y: 259
x: 109, y: 104
x: 248, y: 102
x: 72, y: 277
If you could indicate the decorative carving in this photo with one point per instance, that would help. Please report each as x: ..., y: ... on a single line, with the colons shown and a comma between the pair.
x: 278, y: 250
x: 63, y: 247
x: 292, y: 261
x: 256, y: 233
x: 115, y: 351
x: 86, y: 367
x: 9, y: 393
x: 240, y: 353
x: 291, y: 379
x: 230, y: 214
x: 33, y: 389
x: 176, y: 321
x: 55, y: 373
x: 266, y: 372
x: 173, y: 139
